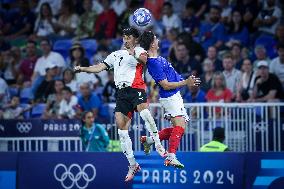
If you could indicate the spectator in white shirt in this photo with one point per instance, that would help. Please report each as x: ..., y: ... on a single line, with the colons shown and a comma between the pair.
x: 67, y: 104
x: 170, y: 20
x: 119, y: 6
x: 277, y: 64
x: 232, y: 75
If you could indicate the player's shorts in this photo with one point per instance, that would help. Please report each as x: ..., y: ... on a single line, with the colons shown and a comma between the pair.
x: 174, y: 107
x: 128, y: 98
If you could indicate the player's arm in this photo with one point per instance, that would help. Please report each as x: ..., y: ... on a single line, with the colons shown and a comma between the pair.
x: 191, y: 81
x: 91, y: 69
x: 141, y: 55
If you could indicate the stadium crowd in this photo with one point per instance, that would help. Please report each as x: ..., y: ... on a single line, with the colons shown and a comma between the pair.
x: 236, y: 47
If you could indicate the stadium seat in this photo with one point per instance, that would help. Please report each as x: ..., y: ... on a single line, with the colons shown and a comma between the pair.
x: 26, y: 95
x: 269, y: 43
x: 26, y: 113
x: 38, y: 110
x: 90, y: 46
x: 13, y: 91
x: 117, y: 43
x: 63, y: 47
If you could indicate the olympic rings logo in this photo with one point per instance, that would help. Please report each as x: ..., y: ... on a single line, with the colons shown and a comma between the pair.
x: 68, y: 177
x: 24, y: 127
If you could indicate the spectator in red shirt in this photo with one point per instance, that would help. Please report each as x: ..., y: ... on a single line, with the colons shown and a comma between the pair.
x: 27, y: 65
x: 155, y: 6
x: 219, y: 92
x: 106, y: 22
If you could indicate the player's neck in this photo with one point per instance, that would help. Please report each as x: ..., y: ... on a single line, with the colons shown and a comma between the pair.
x: 152, y: 53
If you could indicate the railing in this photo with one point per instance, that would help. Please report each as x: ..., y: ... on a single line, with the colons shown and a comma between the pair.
x: 249, y: 127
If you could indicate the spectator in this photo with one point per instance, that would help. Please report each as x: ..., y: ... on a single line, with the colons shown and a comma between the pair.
x: 77, y: 55
x: 267, y: 88
x: 3, y: 92
x: 201, y: 8
x: 268, y: 18
x: 260, y: 53
x: 55, y: 6
x: 155, y: 6
x: 231, y: 74
x: 219, y: 92
x: 48, y: 56
x: 106, y: 23
x: 206, y: 77
x: 237, y: 32
x: 237, y: 55
x: 119, y: 6
x: 109, y: 90
x: 97, y: 6
x: 46, y: 87
x: 226, y: 11
x: 170, y: 20
x: 194, y: 94
x: 101, y: 54
x: 13, y: 110
x: 87, y: 21
x: 249, y: 10
x: 68, y: 20
x: 27, y: 64
x: 277, y: 64
x: 53, y: 101
x: 212, y: 55
x: 246, y: 85
x: 69, y: 80
x: 94, y: 136
x: 279, y: 34
x: 88, y: 101
x: 185, y: 64
x: 44, y: 22
x: 9, y: 67
x: 68, y: 104
x: 22, y: 21
x: 212, y: 32
x: 190, y: 23
x: 216, y: 145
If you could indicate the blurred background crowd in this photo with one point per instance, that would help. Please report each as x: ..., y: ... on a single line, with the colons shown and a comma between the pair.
x: 236, y: 47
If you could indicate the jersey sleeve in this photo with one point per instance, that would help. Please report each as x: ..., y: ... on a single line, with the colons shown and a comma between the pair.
x: 110, y: 59
x: 156, y: 70
x: 138, y: 51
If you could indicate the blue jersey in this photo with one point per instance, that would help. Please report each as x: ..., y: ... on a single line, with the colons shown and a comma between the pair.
x: 160, y: 69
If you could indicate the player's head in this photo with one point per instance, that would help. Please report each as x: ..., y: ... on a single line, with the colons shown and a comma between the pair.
x: 219, y: 134
x: 148, y: 40
x: 130, y: 37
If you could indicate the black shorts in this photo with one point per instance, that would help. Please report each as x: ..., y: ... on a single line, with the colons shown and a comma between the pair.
x: 127, y: 100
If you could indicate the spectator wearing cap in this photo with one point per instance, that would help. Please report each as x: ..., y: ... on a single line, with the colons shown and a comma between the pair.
x: 46, y: 87
x: 216, y: 145
x: 267, y: 88
x: 277, y: 64
x: 48, y: 56
x: 77, y: 55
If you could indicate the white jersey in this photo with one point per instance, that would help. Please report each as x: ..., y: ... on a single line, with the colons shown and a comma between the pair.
x: 127, y: 70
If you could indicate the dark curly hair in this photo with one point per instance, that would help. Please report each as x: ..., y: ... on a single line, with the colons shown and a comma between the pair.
x: 146, y: 39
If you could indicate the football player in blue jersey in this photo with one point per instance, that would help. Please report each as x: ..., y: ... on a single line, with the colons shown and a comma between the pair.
x: 169, y: 82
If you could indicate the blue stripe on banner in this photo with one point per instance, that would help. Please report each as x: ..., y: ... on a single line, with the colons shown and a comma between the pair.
x: 8, y: 179
x: 272, y: 164
x: 264, y: 181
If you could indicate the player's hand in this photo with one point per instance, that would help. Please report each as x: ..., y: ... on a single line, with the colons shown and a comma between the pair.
x: 193, y: 81
x: 77, y: 69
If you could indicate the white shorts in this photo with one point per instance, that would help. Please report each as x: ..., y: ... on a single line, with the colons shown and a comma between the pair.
x: 174, y: 107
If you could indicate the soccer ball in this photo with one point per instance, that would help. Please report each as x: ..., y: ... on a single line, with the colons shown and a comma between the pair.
x: 142, y: 17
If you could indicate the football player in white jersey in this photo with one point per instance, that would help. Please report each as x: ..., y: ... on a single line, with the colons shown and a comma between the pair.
x: 131, y: 94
